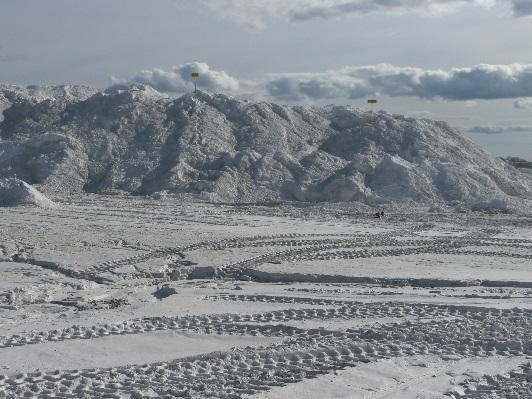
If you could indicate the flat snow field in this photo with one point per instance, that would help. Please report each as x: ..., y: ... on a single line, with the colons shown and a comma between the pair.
x: 120, y: 297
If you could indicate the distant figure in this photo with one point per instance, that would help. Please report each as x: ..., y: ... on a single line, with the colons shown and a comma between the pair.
x: 377, y: 215
x: 382, y: 214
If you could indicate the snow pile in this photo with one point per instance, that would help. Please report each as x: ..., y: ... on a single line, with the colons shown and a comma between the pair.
x: 522, y: 164
x: 10, y: 95
x: 14, y: 192
x: 133, y: 139
x: 519, y: 163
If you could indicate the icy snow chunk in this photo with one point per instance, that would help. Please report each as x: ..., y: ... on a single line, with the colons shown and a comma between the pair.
x: 14, y: 192
x: 495, y: 205
x: 164, y: 292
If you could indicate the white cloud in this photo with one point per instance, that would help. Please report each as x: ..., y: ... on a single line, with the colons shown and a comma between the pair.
x: 248, y: 13
x: 421, y: 114
x: 342, y: 8
x: 479, y: 82
x: 255, y: 13
x: 500, y: 129
x: 178, y: 79
x: 523, y: 103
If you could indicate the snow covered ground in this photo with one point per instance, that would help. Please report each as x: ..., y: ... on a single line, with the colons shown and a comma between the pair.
x: 122, y: 297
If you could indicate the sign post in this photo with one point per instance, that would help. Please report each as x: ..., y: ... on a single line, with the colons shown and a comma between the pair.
x: 371, y: 103
x: 195, y: 76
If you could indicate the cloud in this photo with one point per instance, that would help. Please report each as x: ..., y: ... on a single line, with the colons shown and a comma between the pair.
x: 250, y: 14
x: 336, y: 9
x: 523, y: 103
x: 483, y: 81
x: 254, y: 14
x: 178, y: 79
x: 522, y: 8
x: 421, y: 114
x: 500, y: 129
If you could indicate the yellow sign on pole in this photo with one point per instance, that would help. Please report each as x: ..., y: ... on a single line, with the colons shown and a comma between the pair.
x: 195, y: 76
x: 372, y: 101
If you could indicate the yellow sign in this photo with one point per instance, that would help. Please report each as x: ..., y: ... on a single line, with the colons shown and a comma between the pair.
x: 195, y: 74
x: 372, y: 101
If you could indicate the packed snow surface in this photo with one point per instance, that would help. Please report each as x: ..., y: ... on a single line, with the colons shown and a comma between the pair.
x: 132, y: 297
x: 133, y: 139
x: 15, y: 192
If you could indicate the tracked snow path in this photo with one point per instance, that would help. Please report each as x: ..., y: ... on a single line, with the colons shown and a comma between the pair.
x: 425, y: 376
x: 133, y: 298
x: 304, y: 354
x: 516, y: 383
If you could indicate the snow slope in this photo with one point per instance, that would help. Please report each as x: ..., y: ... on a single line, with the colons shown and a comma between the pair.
x: 133, y: 139
x: 15, y: 192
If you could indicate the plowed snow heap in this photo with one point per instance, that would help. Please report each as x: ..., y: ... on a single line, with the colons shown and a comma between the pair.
x: 136, y: 140
x: 14, y: 192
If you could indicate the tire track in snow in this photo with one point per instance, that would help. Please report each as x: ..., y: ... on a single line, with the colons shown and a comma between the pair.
x: 306, y: 354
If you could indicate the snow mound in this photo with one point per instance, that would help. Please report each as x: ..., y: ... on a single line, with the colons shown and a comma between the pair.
x: 132, y: 139
x: 14, y: 192
x: 10, y: 95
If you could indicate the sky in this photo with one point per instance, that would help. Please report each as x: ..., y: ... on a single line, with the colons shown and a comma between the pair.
x: 468, y: 62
